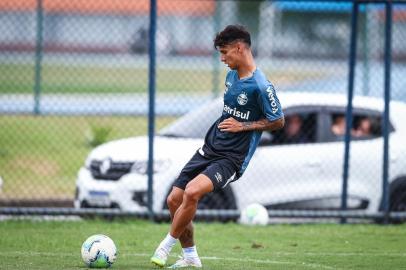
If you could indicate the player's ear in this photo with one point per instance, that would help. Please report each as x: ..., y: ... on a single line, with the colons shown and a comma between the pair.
x: 239, y: 48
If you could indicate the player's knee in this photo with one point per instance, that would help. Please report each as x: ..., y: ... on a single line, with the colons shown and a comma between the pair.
x: 173, y: 201
x: 192, y: 194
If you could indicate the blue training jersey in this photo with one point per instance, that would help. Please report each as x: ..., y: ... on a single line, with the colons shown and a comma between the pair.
x: 246, y: 100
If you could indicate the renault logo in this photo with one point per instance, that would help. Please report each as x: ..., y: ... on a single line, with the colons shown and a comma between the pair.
x: 105, y: 165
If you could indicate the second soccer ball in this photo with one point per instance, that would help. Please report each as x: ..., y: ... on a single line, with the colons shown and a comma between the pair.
x: 254, y: 214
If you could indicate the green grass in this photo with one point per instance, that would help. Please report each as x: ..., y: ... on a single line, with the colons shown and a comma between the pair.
x: 56, y: 245
x: 40, y: 156
x: 19, y: 79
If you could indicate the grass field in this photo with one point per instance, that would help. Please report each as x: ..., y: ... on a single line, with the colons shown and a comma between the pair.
x: 18, y: 78
x: 56, y: 245
x: 40, y: 156
x: 71, y: 78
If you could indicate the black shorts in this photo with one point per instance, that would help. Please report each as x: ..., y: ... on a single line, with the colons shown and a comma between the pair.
x: 221, y: 171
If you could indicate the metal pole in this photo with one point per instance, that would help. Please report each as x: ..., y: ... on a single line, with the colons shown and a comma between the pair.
x: 151, y: 113
x: 365, y: 54
x: 38, y: 57
x: 352, y: 62
x: 388, y: 48
x: 215, y: 59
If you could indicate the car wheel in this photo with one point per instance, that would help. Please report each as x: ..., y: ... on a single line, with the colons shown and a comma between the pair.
x: 397, y: 198
x: 398, y: 203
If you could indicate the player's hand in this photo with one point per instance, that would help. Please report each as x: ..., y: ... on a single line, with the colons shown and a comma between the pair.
x: 230, y: 125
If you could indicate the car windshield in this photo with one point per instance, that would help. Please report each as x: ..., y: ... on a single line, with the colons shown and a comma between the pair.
x: 195, y: 123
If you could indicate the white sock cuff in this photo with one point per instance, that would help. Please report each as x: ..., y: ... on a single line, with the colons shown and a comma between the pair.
x: 171, y: 239
x: 190, y: 252
x: 168, y: 243
x: 189, y: 249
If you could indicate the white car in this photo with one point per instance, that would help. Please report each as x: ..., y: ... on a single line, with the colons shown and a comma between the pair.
x: 283, y: 174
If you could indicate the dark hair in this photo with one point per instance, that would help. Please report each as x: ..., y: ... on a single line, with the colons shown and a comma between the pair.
x: 231, y: 34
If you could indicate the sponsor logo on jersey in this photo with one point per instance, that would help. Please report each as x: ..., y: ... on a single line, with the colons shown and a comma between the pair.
x: 236, y: 113
x: 219, y: 177
x: 271, y: 96
x: 242, y: 98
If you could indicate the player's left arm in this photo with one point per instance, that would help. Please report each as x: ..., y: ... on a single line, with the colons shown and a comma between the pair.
x: 271, y: 108
x: 232, y: 125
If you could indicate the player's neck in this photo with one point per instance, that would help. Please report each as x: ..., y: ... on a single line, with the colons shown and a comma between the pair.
x: 246, y: 71
x: 247, y: 67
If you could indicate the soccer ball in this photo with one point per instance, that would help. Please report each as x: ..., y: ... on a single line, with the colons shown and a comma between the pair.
x: 254, y: 214
x: 99, y: 251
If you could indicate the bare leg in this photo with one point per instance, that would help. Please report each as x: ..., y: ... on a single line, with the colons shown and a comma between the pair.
x: 181, y: 227
x: 185, y: 213
x: 174, y: 200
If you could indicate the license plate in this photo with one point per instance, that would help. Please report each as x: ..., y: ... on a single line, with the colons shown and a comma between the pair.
x: 99, y: 198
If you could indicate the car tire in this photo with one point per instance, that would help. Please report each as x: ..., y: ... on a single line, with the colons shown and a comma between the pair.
x: 397, y: 199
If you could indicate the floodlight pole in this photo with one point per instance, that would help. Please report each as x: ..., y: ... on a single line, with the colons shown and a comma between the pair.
x: 352, y: 62
x: 151, y: 112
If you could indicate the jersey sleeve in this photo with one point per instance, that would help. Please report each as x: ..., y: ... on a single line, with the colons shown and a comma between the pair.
x: 269, y: 102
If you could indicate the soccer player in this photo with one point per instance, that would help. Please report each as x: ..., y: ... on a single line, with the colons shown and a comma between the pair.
x: 250, y: 106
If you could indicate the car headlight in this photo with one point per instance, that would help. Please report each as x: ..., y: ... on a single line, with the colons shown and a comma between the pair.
x: 141, y: 167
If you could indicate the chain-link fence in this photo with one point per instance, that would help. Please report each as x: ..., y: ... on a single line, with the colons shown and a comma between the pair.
x: 74, y: 103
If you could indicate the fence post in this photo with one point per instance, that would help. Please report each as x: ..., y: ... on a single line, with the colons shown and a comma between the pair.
x: 352, y: 62
x: 38, y: 57
x: 215, y: 60
x: 151, y: 112
x: 365, y: 53
x: 388, y: 55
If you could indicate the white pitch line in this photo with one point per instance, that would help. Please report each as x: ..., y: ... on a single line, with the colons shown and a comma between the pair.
x: 53, y: 254
x: 344, y: 254
x: 309, y: 265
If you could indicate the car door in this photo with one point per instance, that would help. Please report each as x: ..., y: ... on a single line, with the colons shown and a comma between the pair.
x: 284, y: 170
x: 365, y: 166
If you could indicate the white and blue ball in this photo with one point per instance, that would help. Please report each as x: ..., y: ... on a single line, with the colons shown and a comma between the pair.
x: 254, y: 214
x: 99, y: 251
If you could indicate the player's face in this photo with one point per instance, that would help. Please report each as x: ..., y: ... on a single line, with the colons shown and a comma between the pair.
x: 229, y: 55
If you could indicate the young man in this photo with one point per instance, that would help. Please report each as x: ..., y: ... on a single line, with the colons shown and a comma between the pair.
x: 250, y: 106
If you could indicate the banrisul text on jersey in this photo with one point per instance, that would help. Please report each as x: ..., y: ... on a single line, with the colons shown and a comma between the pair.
x: 237, y: 113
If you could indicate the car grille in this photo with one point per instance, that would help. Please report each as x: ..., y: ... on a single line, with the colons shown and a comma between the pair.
x: 115, y: 171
